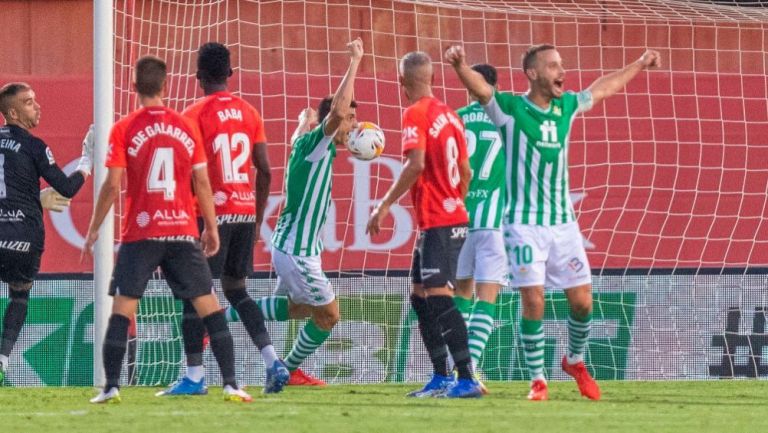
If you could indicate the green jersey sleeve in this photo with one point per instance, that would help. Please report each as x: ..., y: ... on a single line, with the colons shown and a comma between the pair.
x: 500, y: 108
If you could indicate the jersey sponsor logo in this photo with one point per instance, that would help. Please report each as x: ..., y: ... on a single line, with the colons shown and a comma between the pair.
x: 549, y: 138
x: 235, y: 219
x: 160, y: 128
x: 450, y: 204
x: 11, y: 216
x: 429, y: 272
x: 247, y: 196
x: 170, y: 217
x: 49, y: 155
x: 459, y: 232
x: 230, y: 114
x: 7, y: 143
x: 18, y: 246
x: 442, y: 121
x: 410, y: 133
x: 142, y: 219
x: 479, y: 193
x: 219, y: 198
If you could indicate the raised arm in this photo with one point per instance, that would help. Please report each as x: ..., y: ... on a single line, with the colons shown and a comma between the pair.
x: 343, y: 96
x: 473, y: 81
x: 609, y: 84
x: 414, y: 165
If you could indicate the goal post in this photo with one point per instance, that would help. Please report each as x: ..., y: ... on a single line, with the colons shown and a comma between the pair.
x: 666, y: 176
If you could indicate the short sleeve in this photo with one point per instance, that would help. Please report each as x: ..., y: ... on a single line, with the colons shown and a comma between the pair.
x: 414, y: 134
x: 116, y: 156
x: 584, y: 101
x: 499, y: 108
x: 198, y: 153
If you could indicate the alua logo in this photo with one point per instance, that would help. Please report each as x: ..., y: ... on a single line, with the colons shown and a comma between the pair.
x: 242, y: 196
x: 12, y: 214
x: 170, y: 215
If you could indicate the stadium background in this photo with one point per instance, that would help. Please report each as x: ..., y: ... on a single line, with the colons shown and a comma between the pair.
x: 670, y: 176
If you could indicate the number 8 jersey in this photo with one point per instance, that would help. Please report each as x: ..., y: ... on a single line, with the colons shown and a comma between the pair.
x: 229, y: 127
x: 432, y: 126
x: 159, y: 149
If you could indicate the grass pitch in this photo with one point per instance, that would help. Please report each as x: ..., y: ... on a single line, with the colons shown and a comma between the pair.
x: 680, y: 407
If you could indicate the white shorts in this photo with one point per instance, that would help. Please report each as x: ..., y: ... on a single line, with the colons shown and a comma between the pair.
x: 301, y: 279
x: 551, y: 256
x: 483, y: 257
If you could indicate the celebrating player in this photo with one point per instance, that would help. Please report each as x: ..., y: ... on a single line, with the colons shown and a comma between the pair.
x: 482, y: 261
x: 296, y: 244
x: 233, y: 134
x: 24, y: 159
x: 162, y: 156
x: 437, y: 172
x: 543, y: 238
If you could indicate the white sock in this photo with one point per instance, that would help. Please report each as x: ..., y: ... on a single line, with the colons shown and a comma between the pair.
x: 3, y: 362
x: 196, y: 373
x: 269, y: 355
x: 574, y: 359
x: 539, y: 377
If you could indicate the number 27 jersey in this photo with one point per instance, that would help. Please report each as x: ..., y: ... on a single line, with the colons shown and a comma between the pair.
x: 158, y: 148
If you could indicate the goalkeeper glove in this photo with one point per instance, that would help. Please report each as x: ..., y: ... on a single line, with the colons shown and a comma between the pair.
x: 86, y: 157
x: 52, y: 200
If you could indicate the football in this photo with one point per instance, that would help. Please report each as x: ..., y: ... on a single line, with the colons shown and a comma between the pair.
x: 366, y: 142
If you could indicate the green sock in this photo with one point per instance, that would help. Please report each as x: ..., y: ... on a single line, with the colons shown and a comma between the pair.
x: 578, y: 336
x: 480, y: 328
x: 532, y: 336
x: 464, y: 305
x: 309, y: 339
x: 273, y: 307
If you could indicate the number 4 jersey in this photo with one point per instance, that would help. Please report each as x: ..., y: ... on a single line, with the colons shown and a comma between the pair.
x: 158, y: 148
x: 229, y: 127
x: 433, y: 127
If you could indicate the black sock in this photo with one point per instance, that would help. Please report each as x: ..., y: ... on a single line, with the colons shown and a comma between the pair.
x: 454, y: 332
x: 222, y: 346
x: 431, y: 335
x: 193, y: 331
x: 15, y: 315
x: 251, y: 316
x: 115, y: 343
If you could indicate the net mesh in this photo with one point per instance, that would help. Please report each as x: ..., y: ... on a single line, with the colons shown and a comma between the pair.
x: 668, y: 176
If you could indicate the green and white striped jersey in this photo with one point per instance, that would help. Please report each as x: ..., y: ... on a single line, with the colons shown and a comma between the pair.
x: 308, y: 194
x: 536, y: 147
x: 485, y: 198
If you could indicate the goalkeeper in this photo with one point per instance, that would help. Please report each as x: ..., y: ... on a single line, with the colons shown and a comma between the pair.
x: 24, y: 159
x: 542, y: 237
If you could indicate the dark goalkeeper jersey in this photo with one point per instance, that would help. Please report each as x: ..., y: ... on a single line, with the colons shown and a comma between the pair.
x: 24, y: 159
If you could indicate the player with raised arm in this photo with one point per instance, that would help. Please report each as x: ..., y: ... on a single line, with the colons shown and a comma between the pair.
x: 543, y: 240
x: 162, y: 156
x: 302, y: 287
x: 24, y: 159
x: 233, y: 135
x: 437, y: 173
x: 482, y: 264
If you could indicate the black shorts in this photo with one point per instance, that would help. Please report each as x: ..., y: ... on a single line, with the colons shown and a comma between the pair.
x: 183, y: 265
x: 436, y: 256
x: 19, y: 267
x: 235, y: 256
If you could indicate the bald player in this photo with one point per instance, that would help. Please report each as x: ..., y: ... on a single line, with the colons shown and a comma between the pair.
x: 437, y: 173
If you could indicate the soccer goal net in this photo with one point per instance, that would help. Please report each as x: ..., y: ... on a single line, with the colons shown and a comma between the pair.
x: 668, y: 177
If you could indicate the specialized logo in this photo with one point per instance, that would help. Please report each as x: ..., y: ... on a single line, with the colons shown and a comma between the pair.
x: 235, y: 219
x: 18, y: 246
x: 459, y: 232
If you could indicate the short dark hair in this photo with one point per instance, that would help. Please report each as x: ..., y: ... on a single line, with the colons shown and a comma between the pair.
x: 7, y: 92
x: 530, y: 54
x: 213, y: 64
x: 325, y: 107
x: 150, y: 75
x: 488, y: 72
